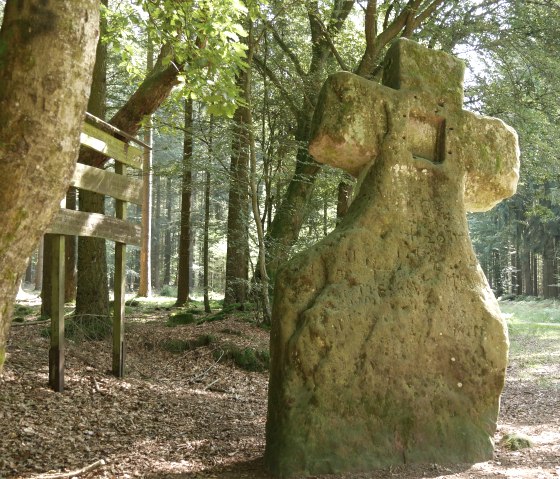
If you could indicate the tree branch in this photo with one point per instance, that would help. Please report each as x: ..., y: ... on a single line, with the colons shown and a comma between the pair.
x: 65, y: 475
x: 405, y: 21
x: 265, y: 70
x: 341, y: 10
x: 287, y: 50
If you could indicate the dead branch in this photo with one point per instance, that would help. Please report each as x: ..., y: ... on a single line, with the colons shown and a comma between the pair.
x: 78, y: 472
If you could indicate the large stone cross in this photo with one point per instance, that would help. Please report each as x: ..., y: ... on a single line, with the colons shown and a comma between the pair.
x: 387, y: 344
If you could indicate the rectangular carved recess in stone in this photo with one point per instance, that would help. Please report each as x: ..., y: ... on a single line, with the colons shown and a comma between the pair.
x: 426, y: 136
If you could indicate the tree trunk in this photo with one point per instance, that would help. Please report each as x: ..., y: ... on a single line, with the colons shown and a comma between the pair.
x: 92, y: 297
x: 344, y: 198
x: 92, y: 291
x: 535, y: 271
x: 29, y: 270
x: 237, y: 256
x: 156, y: 236
x: 262, y: 279
x: 206, y: 252
x: 42, y: 104
x: 145, y: 286
x: 39, y: 266
x: 183, y: 269
x: 549, y: 276
x: 167, y: 241
x: 46, y: 281
x: 71, y: 253
x: 526, y: 273
x: 290, y: 215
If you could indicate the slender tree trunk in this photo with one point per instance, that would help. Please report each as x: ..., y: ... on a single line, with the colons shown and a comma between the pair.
x: 206, y: 249
x: 344, y: 197
x: 535, y: 270
x: 46, y: 281
x: 237, y: 259
x: 29, y: 271
x: 39, y: 266
x: 549, y: 273
x: 145, y: 286
x: 156, y: 236
x: 71, y: 252
x: 183, y: 271
x: 263, y: 275
x: 46, y: 61
x: 167, y: 246
x: 526, y: 272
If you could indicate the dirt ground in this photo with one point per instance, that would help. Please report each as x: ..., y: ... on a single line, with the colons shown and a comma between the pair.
x: 192, y: 414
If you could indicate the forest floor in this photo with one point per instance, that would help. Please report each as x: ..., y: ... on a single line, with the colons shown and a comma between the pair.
x: 186, y: 409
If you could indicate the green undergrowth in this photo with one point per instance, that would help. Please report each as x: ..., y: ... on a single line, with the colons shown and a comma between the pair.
x: 178, y: 346
x: 516, y: 442
x: 249, y: 359
x: 87, y: 328
x: 21, y: 312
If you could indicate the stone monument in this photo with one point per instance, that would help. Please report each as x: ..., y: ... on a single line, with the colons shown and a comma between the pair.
x: 387, y: 344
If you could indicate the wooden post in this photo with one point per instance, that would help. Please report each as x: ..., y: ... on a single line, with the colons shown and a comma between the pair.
x: 56, y: 351
x: 120, y: 289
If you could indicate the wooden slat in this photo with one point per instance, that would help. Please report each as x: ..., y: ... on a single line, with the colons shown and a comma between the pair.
x: 78, y: 223
x: 107, y: 183
x: 111, y: 146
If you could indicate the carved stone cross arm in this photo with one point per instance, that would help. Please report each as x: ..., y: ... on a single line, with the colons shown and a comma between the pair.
x: 489, y: 151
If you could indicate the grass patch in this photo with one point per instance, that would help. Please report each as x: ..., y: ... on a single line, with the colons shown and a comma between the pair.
x: 249, y: 359
x: 22, y: 311
x: 534, y: 331
x: 87, y: 328
x: 183, y: 317
x: 532, y: 311
x: 233, y: 332
x: 516, y: 442
x: 178, y: 346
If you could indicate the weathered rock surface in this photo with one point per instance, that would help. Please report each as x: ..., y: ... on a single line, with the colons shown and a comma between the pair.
x: 387, y: 344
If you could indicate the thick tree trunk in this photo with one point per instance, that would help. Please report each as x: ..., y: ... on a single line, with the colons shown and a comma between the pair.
x: 183, y: 269
x: 42, y: 104
x: 237, y: 258
x: 290, y: 215
x: 92, y: 298
x: 92, y: 292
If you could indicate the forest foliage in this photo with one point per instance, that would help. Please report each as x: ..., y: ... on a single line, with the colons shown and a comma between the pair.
x: 284, y: 51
